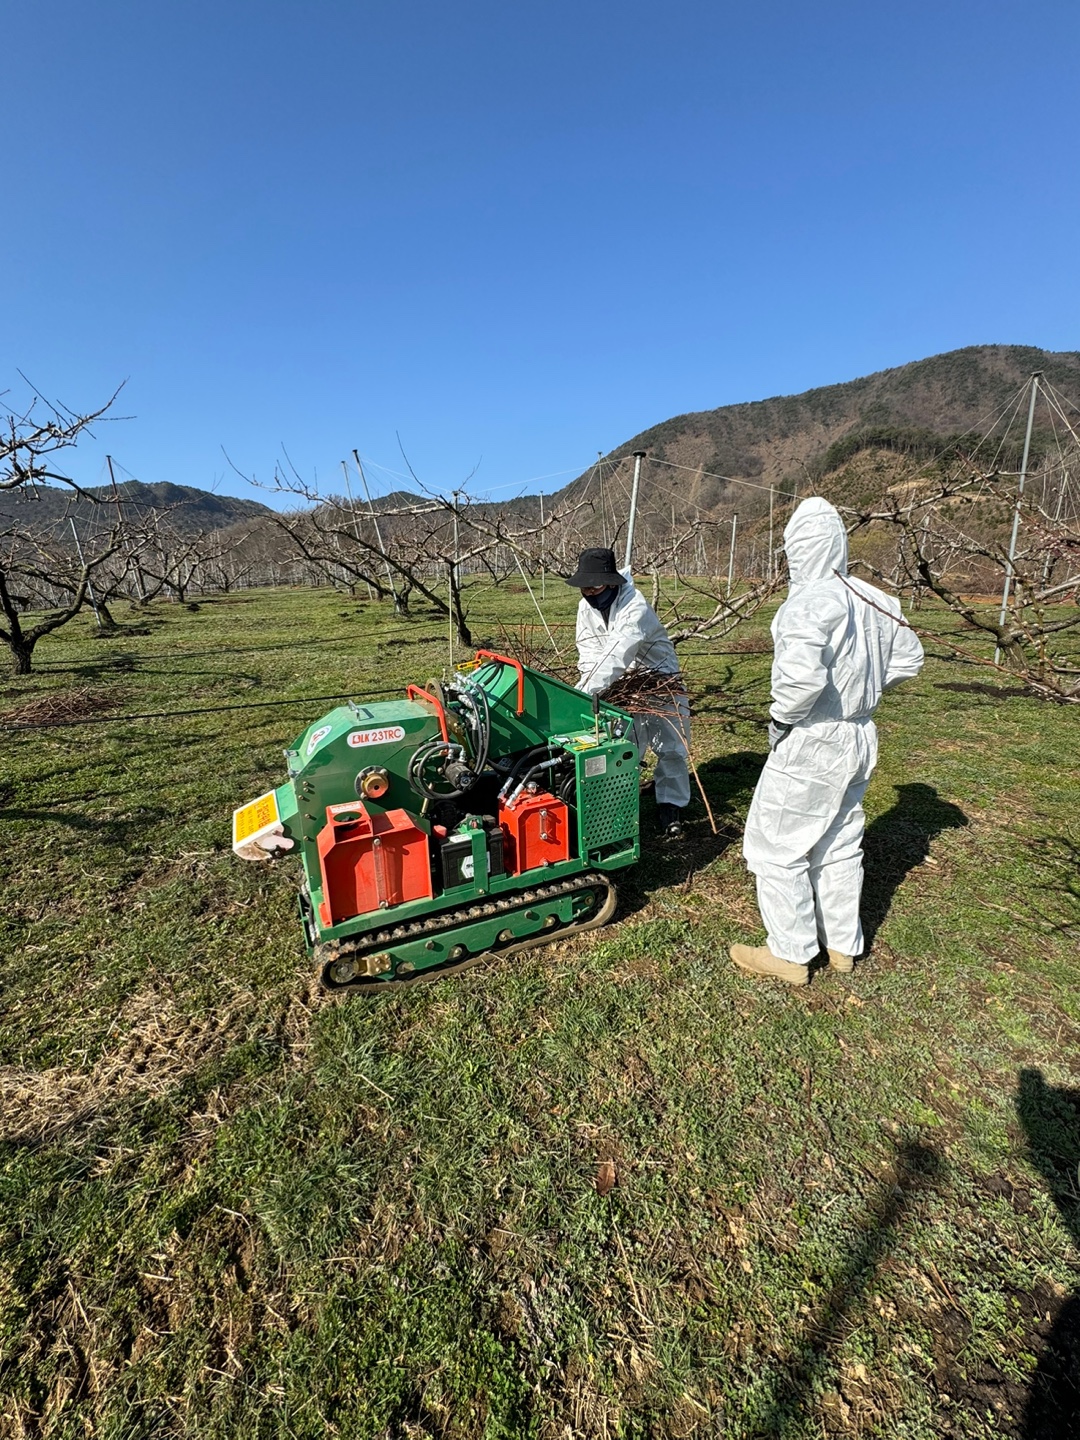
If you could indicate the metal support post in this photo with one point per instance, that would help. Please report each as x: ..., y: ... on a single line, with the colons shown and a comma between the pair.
x: 1016, y: 513
x: 355, y: 521
x: 600, y: 482
x: 454, y: 568
x: 639, y: 455
x: 133, y: 564
x: 731, y: 552
x: 89, y: 587
x: 378, y: 532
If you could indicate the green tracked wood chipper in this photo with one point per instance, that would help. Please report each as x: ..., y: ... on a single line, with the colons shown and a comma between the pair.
x: 477, y: 816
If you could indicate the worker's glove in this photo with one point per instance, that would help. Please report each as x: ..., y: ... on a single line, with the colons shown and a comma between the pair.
x: 777, y: 733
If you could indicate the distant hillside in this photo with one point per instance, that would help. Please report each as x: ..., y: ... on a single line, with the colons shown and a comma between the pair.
x: 800, y: 437
x: 850, y: 441
x: 184, y: 508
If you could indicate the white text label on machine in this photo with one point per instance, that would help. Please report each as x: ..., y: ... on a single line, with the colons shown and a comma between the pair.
x: 376, y: 737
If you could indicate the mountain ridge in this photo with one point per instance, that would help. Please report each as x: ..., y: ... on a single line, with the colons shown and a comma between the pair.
x: 722, y: 459
x: 185, y: 508
x: 778, y: 440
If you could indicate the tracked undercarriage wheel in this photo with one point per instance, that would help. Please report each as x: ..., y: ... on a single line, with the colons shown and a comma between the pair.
x: 370, y: 964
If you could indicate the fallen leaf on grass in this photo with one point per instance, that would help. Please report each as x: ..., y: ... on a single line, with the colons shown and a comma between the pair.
x: 605, y: 1177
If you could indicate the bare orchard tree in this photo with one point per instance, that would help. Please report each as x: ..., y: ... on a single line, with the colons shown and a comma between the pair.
x: 430, y: 549
x: 163, y: 561
x: 329, y: 539
x: 970, y: 534
x: 248, y: 553
x: 33, y: 435
x: 473, y: 536
x: 224, y: 559
x: 41, y: 573
x: 701, y: 607
x: 425, y: 546
x: 333, y: 538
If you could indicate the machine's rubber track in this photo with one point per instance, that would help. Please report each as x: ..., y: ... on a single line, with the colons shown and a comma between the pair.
x: 329, y: 955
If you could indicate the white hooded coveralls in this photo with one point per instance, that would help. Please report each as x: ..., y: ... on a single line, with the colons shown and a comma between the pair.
x: 632, y: 635
x: 834, y: 654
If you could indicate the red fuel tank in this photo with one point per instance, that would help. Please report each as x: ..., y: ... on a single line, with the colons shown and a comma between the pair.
x: 370, y: 862
x: 537, y: 830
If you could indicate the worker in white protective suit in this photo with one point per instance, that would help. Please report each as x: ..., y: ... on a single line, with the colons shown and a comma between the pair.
x: 838, y: 643
x: 618, y: 630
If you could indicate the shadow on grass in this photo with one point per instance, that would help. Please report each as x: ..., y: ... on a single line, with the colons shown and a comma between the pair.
x: 127, y: 664
x: 730, y: 699
x: 1058, y: 857
x: 898, y: 841
x: 113, y: 829
x: 980, y: 687
x: 728, y: 782
x: 1050, y: 1116
x: 917, y: 1170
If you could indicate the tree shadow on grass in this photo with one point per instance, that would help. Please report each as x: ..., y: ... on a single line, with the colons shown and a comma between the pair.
x: 1058, y: 859
x: 896, y: 843
x: 1050, y: 1116
x: 117, y: 829
x: 980, y: 687
x: 916, y: 1170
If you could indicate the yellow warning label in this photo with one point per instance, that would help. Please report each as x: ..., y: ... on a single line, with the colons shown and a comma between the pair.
x: 254, y: 816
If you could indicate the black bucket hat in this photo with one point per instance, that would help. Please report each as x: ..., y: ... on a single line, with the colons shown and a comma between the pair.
x: 596, y: 567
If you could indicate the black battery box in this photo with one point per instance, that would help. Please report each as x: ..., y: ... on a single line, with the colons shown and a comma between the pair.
x: 456, y: 855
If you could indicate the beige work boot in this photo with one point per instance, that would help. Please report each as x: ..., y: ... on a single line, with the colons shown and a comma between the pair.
x: 841, y: 962
x: 759, y: 960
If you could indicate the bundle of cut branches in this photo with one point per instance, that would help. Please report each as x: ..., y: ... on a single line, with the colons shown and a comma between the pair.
x: 60, y: 706
x: 642, y: 691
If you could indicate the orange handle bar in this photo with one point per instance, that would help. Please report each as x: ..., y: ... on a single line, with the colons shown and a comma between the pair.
x: 506, y: 660
x: 427, y: 695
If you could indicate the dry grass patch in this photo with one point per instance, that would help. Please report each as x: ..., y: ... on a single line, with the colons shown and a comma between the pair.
x: 160, y: 1048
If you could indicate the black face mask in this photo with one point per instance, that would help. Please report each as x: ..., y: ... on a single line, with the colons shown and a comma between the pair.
x: 605, y: 599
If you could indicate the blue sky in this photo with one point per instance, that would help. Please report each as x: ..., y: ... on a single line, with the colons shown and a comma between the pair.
x: 514, y: 234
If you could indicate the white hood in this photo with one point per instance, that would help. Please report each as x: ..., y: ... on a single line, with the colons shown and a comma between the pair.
x: 815, y: 542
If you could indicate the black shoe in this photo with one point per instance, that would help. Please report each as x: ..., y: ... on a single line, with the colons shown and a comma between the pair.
x: 670, y: 817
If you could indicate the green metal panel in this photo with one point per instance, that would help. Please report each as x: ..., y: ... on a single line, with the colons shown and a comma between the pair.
x: 607, y: 780
x: 287, y: 807
x: 550, y: 708
x: 325, y: 760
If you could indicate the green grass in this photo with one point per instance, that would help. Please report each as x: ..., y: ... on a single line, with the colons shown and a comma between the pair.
x: 231, y: 1207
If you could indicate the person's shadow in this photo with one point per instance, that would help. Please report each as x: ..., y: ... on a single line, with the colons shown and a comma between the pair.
x: 1050, y: 1116
x: 896, y: 842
